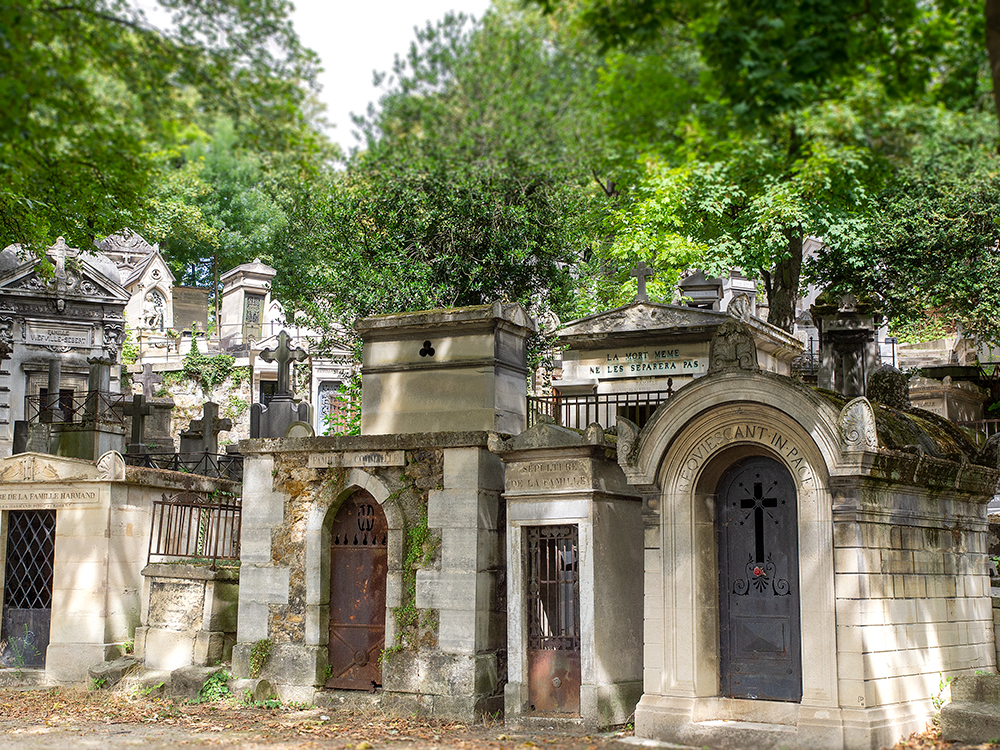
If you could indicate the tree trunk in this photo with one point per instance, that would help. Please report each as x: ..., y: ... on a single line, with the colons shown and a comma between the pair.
x: 993, y: 48
x: 782, y: 284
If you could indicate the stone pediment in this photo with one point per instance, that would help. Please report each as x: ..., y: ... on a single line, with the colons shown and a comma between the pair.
x: 44, y: 468
x: 642, y: 317
x: 152, y: 271
x: 76, y: 275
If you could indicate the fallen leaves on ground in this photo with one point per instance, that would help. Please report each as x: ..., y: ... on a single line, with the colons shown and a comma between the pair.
x: 230, y: 723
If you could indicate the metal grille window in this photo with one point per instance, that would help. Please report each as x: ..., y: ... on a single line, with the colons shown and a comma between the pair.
x: 30, y: 550
x: 553, y: 588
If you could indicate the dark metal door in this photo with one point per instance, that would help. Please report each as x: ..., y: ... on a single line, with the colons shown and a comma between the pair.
x: 553, y: 620
x: 27, y: 595
x: 358, y: 565
x: 759, y: 582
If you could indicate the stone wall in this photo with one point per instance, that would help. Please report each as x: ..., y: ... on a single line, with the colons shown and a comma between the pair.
x: 444, y: 632
x: 912, y: 582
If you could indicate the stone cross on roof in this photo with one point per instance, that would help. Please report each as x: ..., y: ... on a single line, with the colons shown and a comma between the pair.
x: 641, y: 272
x: 210, y: 426
x: 138, y: 409
x: 283, y: 354
x: 148, y: 380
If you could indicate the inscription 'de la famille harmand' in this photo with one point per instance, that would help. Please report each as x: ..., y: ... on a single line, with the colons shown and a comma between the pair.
x: 547, y: 475
x: 753, y: 433
x: 49, y: 334
x: 356, y: 459
x: 48, y: 500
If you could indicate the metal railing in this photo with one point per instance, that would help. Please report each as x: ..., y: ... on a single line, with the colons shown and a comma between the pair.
x: 223, y: 465
x: 985, y: 428
x: 195, y: 525
x: 604, y: 408
x: 95, y: 406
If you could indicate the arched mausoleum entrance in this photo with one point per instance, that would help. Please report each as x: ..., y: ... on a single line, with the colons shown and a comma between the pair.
x: 759, y: 624
x: 358, y: 567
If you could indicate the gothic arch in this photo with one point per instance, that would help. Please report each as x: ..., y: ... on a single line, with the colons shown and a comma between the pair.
x: 318, y: 552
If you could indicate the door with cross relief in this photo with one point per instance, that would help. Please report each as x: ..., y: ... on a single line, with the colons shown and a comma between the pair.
x: 759, y: 582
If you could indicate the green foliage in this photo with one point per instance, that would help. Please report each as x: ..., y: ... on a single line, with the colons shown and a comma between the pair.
x: 240, y: 375
x: 98, y: 682
x: 215, y: 688
x: 235, y: 407
x: 93, y: 94
x: 207, y: 370
x: 347, y: 419
x: 260, y: 652
x: 420, y: 548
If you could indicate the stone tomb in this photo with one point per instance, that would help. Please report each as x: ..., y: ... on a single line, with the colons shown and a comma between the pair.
x: 54, y: 327
x: 75, y: 537
x: 647, y: 346
x: 398, y: 530
x: 574, y: 582
x: 813, y: 564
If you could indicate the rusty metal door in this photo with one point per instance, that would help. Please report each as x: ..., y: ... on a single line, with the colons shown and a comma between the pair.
x: 759, y: 582
x: 553, y: 619
x: 358, y: 565
x: 27, y: 595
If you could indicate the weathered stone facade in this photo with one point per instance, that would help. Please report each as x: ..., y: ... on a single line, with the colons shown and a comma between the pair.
x: 445, y: 629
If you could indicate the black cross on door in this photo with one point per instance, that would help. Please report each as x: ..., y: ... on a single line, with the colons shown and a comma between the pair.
x: 759, y: 649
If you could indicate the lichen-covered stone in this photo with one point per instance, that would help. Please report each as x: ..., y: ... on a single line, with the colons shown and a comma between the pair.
x: 889, y: 387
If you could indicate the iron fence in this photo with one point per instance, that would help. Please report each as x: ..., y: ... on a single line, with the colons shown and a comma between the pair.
x: 196, y: 525
x: 984, y: 428
x: 223, y: 465
x: 604, y: 408
x: 95, y: 406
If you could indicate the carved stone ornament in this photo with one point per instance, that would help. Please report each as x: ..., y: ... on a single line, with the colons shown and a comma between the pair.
x: 114, y: 336
x: 111, y: 467
x: 733, y: 349
x: 741, y: 307
x: 18, y: 470
x: 857, y: 426
x: 628, y: 442
x: 889, y: 387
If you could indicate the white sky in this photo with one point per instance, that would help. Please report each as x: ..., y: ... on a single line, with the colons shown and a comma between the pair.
x: 353, y: 39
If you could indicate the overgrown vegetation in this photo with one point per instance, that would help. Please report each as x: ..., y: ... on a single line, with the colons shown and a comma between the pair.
x: 215, y: 688
x: 260, y: 652
x: 209, y: 370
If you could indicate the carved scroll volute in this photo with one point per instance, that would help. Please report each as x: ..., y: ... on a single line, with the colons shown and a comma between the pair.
x: 628, y: 443
x: 857, y: 426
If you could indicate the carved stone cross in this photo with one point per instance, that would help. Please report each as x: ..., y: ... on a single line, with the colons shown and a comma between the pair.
x: 641, y: 272
x: 210, y: 426
x: 149, y: 380
x: 284, y: 355
x: 138, y: 409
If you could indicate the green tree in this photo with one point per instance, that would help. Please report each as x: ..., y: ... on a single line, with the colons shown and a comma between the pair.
x: 92, y: 94
x: 472, y: 185
x: 788, y: 128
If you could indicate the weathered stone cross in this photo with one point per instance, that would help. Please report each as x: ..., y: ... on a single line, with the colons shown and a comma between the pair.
x: 641, y: 272
x: 149, y: 380
x: 284, y: 355
x: 138, y: 409
x: 210, y: 426
x: 757, y: 503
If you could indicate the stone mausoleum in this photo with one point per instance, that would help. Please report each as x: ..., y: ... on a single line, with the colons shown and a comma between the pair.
x: 759, y: 564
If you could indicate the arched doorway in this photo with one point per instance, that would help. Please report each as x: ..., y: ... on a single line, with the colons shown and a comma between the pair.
x: 759, y: 623
x: 358, y: 566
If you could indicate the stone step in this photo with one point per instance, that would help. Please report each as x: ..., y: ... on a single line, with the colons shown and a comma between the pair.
x: 29, y: 678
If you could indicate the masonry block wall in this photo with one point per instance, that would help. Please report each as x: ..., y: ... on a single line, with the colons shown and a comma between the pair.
x: 912, y: 583
x: 445, y: 630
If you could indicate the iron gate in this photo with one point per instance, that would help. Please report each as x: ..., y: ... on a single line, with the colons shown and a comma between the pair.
x: 759, y: 582
x: 358, y: 566
x: 27, y: 596
x: 553, y: 619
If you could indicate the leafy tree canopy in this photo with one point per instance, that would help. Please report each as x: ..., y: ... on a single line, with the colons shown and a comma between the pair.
x: 94, y: 95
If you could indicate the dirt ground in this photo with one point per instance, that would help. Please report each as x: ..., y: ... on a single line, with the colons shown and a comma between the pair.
x: 64, y: 718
